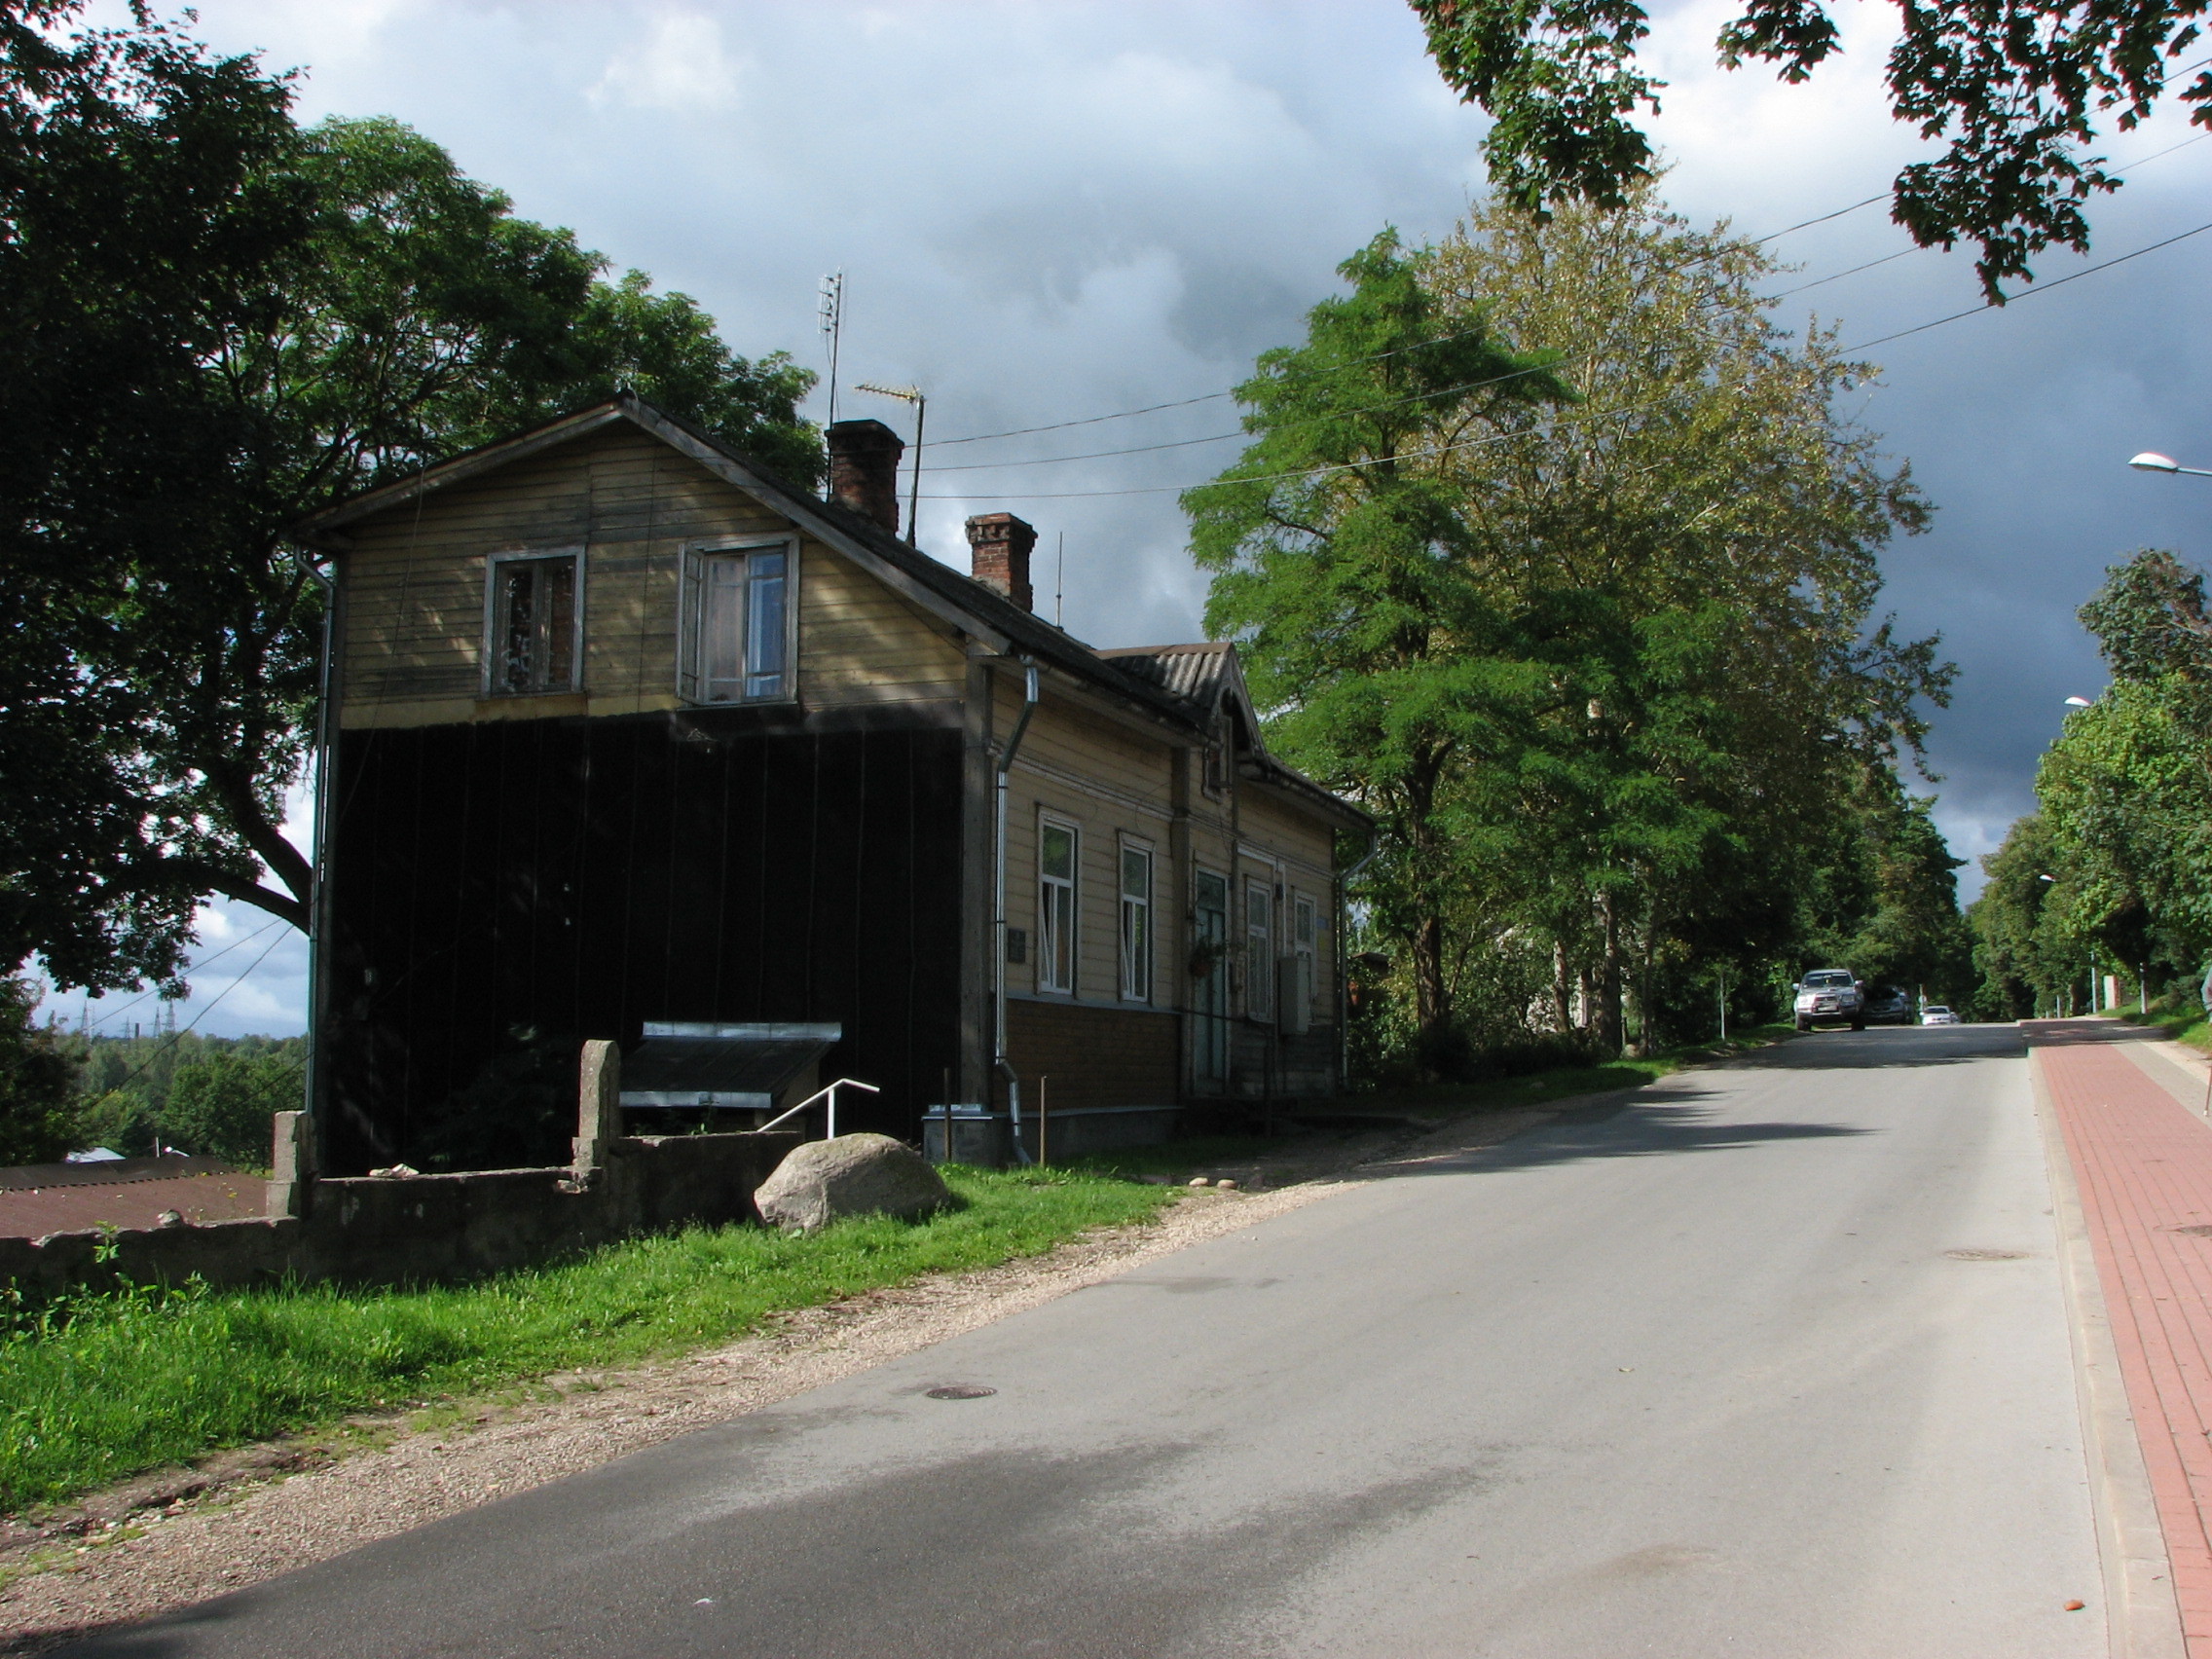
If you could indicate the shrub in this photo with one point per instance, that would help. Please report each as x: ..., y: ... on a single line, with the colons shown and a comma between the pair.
x: 38, y: 1106
x: 220, y: 1107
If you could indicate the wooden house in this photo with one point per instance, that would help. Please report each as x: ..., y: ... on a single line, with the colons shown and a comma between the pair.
x: 630, y: 731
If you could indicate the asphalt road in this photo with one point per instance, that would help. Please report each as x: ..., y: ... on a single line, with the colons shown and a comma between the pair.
x: 1771, y: 1360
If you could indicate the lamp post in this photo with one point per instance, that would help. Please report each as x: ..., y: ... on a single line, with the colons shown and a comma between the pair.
x: 2150, y: 461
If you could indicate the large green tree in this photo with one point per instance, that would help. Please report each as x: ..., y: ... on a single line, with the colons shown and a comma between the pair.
x: 1347, y: 564
x: 216, y: 323
x: 2127, y: 790
x: 1703, y: 509
x: 1591, y: 629
x: 2013, y: 91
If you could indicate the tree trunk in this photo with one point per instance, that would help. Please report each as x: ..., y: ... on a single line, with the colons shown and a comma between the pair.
x: 1432, y: 996
x: 1605, y: 1026
x: 1646, y: 1026
x: 1563, y: 1011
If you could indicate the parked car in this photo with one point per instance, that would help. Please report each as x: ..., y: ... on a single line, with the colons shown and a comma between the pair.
x: 1935, y: 1014
x: 1830, y: 996
x: 1889, y: 1004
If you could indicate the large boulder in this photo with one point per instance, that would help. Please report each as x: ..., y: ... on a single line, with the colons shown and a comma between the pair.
x: 824, y: 1181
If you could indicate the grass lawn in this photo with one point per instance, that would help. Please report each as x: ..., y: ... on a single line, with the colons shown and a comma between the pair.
x: 102, y: 1387
x: 2182, y: 1024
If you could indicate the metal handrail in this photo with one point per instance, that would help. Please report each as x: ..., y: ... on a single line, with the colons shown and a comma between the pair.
x: 831, y: 1091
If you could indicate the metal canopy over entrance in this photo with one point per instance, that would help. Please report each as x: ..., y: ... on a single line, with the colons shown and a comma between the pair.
x: 690, y: 1065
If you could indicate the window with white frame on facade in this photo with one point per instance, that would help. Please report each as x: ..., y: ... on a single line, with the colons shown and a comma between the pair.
x: 1057, y: 852
x: 531, y: 624
x: 1136, y: 924
x: 741, y: 624
x: 1304, y: 935
x: 1258, y: 950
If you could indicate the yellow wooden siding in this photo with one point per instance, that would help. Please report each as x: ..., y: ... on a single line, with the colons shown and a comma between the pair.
x: 1275, y: 823
x: 860, y: 643
x: 1110, y: 785
x: 415, y: 591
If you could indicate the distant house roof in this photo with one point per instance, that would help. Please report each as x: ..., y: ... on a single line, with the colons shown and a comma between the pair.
x: 1180, y: 686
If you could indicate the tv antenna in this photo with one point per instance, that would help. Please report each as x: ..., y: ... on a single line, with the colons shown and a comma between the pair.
x: 907, y: 394
x: 832, y: 311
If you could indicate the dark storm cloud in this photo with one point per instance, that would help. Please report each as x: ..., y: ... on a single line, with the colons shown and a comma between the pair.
x: 1055, y: 210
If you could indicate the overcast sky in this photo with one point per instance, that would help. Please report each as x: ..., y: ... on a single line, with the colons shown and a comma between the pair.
x: 1052, y: 210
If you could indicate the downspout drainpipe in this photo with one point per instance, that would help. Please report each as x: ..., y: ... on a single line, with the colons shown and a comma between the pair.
x: 999, y: 1063
x: 1343, y: 992
x: 318, y: 900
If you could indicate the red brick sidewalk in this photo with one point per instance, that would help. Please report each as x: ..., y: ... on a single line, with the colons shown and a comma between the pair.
x: 2143, y: 1163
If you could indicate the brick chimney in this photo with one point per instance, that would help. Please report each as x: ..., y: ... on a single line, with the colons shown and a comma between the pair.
x: 998, y: 549
x: 863, y: 469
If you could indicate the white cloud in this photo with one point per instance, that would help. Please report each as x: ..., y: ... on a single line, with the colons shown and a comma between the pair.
x: 680, y: 65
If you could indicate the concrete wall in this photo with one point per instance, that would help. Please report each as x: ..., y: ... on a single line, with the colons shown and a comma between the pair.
x: 424, y: 1229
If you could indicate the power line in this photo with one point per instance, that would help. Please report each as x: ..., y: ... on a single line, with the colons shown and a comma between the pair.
x: 190, y: 968
x: 1806, y: 224
x: 1218, y: 396
x: 1419, y: 454
x: 1888, y: 258
x: 2031, y: 293
x: 1239, y: 432
x: 176, y: 1037
x: 1315, y: 472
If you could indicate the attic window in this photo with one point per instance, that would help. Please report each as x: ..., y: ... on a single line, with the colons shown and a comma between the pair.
x: 741, y: 624
x: 532, y: 624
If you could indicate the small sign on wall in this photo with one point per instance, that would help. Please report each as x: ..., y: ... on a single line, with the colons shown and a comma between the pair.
x: 1017, y: 944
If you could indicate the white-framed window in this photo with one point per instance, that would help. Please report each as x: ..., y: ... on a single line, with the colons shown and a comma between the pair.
x: 1059, y: 850
x: 741, y: 623
x: 1258, y: 950
x: 1137, y: 922
x: 533, y: 622
x: 1305, y: 940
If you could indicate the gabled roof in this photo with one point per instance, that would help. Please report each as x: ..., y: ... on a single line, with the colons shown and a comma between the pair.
x: 1180, y: 684
x: 1210, y: 677
x: 955, y: 597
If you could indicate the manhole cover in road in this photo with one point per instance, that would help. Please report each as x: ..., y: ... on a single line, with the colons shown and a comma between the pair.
x: 962, y: 1391
x: 1986, y: 1255
x: 2192, y: 1232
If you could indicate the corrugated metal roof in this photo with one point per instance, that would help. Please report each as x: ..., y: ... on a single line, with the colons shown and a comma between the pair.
x: 1198, y: 673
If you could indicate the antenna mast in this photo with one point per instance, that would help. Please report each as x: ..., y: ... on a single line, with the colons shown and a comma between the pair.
x: 909, y: 394
x: 832, y: 311
x: 1061, y: 580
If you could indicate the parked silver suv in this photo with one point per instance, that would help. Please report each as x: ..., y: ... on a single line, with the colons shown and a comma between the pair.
x: 1830, y: 996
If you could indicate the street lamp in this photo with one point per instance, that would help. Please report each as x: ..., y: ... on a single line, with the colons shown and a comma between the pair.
x: 2078, y: 702
x: 2150, y: 461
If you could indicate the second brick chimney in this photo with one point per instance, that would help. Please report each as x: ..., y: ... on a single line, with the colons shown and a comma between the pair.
x: 863, y: 469
x: 998, y: 547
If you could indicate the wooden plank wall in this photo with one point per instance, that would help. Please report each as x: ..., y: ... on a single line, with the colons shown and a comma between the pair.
x: 1109, y: 783
x: 503, y: 890
x: 414, y: 587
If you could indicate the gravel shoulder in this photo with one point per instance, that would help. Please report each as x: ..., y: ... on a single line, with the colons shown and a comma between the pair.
x: 182, y: 1536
